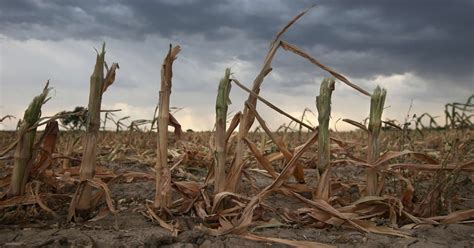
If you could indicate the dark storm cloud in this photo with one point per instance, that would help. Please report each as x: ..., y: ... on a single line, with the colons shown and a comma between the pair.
x: 431, y: 38
x: 131, y: 19
x: 434, y: 39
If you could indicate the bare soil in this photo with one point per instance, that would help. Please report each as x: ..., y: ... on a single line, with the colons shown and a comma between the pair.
x: 31, y: 226
x: 129, y: 228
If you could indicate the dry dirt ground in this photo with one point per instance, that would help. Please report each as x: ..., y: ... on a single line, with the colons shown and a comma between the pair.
x: 129, y: 228
x: 30, y: 226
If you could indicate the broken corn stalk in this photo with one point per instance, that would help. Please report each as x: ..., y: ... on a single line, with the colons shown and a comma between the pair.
x: 323, y: 104
x: 87, y: 170
x: 163, y: 174
x: 375, y: 123
x: 222, y: 103
x: 24, y: 148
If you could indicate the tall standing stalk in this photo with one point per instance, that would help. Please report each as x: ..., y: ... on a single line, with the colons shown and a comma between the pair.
x: 98, y: 85
x: 222, y: 103
x: 24, y: 148
x: 87, y: 170
x: 375, y: 123
x: 323, y: 104
x: 163, y: 176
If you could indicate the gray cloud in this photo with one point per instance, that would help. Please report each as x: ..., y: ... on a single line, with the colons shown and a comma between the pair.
x: 431, y: 38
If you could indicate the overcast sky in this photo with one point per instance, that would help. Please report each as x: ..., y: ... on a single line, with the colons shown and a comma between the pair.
x: 418, y: 50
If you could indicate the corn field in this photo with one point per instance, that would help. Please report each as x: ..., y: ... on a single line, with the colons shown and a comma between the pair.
x: 301, y: 185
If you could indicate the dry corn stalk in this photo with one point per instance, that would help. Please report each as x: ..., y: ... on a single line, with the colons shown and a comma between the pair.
x: 287, y: 154
x: 98, y: 85
x: 71, y: 142
x: 48, y: 139
x: 222, y: 104
x: 323, y: 104
x: 24, y: 148
x: 298, y: 51
x: 163, y: 176
x: 247, y: 117
x: 375, y: 123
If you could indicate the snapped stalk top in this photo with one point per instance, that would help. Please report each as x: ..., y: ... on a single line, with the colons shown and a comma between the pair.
x: 323, y: 104
x: 222, y: 103
x: 223, y: 100
x: 375, y: 123
x: 163, y: 174
x: 376, y: 109
x: 24, y: 149
x: 99, y: 82
x: 87, y: 169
